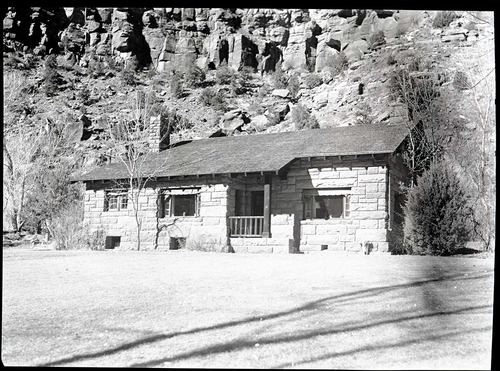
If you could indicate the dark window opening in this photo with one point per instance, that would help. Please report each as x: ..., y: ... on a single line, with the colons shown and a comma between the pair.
x: 177, y: 243
x: 112, y: 242
x: 249, y: 203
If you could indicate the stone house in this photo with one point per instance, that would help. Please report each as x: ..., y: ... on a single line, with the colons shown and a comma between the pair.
x: 284, y: 192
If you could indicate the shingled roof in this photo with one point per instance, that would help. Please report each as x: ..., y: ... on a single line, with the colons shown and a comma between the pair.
x: 261, y: 152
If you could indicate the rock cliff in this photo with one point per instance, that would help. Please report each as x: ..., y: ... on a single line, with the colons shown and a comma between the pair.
x: 300, y: 42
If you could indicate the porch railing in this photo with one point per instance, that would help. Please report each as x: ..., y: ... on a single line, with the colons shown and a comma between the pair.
x: 246, y: 226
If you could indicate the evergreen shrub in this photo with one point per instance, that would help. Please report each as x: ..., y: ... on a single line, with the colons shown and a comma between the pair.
x: 437, y: 212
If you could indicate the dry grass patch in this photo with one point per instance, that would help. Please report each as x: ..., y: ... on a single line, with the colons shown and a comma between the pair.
x: 192, y: 309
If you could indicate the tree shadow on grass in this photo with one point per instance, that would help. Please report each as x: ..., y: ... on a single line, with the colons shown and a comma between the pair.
x: 244, y: 344
x: 392, y: 345
x: 306, y: 307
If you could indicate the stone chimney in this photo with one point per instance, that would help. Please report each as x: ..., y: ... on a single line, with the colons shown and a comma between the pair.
x: 158, y: 134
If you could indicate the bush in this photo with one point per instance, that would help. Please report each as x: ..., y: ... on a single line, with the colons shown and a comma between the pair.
x: 303, y: 119
x: 70, y: 233
x: 437, y: 212
x: 313, y: 80
x: 339, y: 63
x: 461, y: 81
x: 96, y: 68
x: 212, y: 98
x: 224, y: 75
x: 376, y: 39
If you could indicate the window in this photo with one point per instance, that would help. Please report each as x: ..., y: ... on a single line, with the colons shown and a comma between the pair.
x: 179, y: 202
x: 115, y: 200
x: 326, y: 203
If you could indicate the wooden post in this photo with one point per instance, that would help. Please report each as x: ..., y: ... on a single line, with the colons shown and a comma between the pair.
x: 267, y: 206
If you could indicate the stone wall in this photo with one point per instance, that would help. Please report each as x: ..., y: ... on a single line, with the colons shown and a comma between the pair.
x: 367, y: 182
x: 122, y: 223
x: 371, y: 184
x: 206, y: 231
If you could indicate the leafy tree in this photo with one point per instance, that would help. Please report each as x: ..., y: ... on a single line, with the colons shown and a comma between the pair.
x: 279, y: 77
x: 193, y: 75
x: 224, y: 74
x: 437, y: 212
x: 294, y: 85
x: 176, y: 85
x: 51, y: 78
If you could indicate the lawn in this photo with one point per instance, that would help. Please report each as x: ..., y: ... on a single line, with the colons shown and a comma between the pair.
x: 194, y: 309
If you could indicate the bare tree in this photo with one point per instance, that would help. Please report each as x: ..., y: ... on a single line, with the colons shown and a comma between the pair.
x: 131, y: 145
x: 474, y: 145
x: 21, y: 146
x: 425, y: 116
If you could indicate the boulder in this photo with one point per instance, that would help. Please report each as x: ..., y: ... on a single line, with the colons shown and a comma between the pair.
x: 282, y: 93
x: 233, y: 121
x: 355, y: 50
x: 325, y: 56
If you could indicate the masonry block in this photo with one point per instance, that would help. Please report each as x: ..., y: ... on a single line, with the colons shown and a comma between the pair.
x: 368, y: 224
x: 363, y: 215
x: 353, y: 246
x: 347, y: 237
x: 321, y: 239
x: 329, y: 175
x: 213, y: 211
x: 282, y: 231
x: 308, y: 229
x: 348, y: 174
x: 371, y: 178
x: 260, y: 249
x: 371, y: 235
x: 336, y: 246
x: 372, y: 206
x: 331, y: 229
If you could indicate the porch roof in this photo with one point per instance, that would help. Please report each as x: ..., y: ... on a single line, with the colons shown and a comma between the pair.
x: 260, y: 152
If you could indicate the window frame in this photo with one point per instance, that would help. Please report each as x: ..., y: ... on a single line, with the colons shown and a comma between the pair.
x: 166, y: 202
x: 309, y: 199
x: 118, y: 198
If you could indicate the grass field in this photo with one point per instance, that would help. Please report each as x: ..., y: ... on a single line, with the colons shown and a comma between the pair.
x: 193, y: 309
